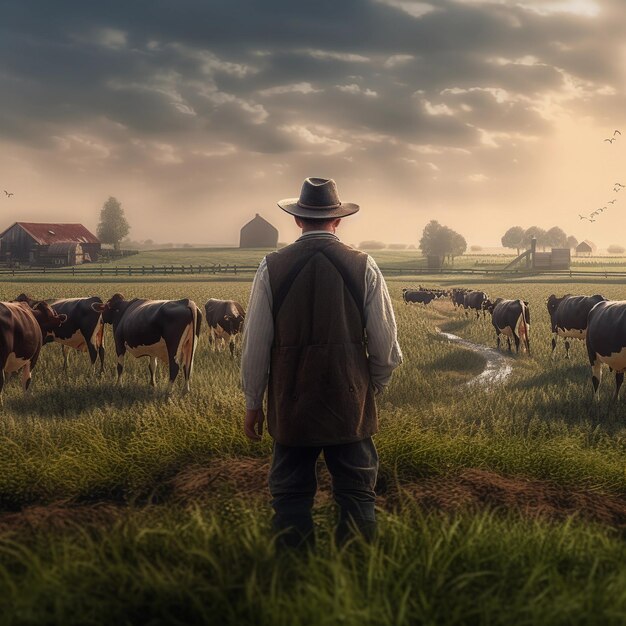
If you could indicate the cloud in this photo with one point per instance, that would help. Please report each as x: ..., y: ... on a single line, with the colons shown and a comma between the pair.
x: 357, y: 91
x: 302, y: 88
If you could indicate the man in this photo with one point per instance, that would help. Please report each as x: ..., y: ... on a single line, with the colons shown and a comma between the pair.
x: 320, y: 334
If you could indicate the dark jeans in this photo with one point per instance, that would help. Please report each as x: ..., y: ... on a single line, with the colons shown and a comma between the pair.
x: 293, y: 483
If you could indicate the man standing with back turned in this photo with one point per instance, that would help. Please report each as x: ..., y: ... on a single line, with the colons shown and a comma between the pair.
x: 320, y: 334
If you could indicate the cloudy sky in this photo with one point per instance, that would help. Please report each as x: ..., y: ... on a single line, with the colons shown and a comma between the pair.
x: 198, y: 114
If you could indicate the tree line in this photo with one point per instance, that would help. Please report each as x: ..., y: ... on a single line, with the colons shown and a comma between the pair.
x: 517, y: 237
x: 441, y: 241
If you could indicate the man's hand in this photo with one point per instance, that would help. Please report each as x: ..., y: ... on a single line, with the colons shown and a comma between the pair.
x: 253, y: 424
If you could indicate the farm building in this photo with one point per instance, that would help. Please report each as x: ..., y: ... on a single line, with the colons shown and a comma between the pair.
x: 585, y: 247
x: 48, y: 244
x: 258, y: 233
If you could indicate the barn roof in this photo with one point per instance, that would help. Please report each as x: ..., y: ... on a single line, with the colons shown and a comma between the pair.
x: 48, y: 233
x: 260, y: 221
x: 586, y: 244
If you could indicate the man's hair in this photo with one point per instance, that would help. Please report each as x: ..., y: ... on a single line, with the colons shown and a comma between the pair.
x: 312, y: 222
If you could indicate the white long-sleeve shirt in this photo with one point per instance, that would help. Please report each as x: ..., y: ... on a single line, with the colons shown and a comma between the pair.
x: 384, y: 353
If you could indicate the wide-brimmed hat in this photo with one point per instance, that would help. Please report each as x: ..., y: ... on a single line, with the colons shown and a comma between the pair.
x: 319, y: 200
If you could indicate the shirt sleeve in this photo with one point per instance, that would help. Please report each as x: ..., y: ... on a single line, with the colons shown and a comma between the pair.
x: 258, y: 335
x: 380, y: 325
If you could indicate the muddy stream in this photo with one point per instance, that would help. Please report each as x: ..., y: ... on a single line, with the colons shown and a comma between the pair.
x: 498, y: 367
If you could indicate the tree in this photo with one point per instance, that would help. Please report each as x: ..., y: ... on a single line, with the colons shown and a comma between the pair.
x: 372, y: 245
x: 513, y: 238
x: 441, y: 241
x: 556, y: 237
x: 572, y: 242
x: 615, y: 249
x: 538, y: 233
x: 113, y: 226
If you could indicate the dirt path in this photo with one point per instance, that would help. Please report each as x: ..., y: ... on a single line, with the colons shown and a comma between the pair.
x: 498, y: 366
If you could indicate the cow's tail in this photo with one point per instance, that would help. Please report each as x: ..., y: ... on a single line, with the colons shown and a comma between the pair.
x: 524, y: 326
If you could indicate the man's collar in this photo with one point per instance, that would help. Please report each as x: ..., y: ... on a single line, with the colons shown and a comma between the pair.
x: 317, y: 233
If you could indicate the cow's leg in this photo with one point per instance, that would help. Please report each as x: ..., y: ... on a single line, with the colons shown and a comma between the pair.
x: 1, y: 387
x: 619, y: 379
x: 93, y: 356
x: 596, y: 377
x: 26, y: 377
x: 153, y: 364
x: 516, y: 339
x: 567, y: 347
x: 65, y: 353
x: 231, y: 345
x: 101, y: 357
x: 211, y: 337
x: 498, y: 340
x: 553, y: 345
x: 508, y: 343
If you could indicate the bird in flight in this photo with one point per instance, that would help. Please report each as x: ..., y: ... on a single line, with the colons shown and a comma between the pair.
x: 584, y: 217
x: 8, y: 194
x: 612, y: 201
x: 616, y: 132
x: 619, y: 185
x: 611, y: 140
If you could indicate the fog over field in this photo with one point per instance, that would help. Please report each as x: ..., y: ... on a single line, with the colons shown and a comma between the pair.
x: 479, y: 113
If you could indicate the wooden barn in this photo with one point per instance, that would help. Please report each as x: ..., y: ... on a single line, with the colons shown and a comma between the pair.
x: 48, y: 244
x: 258, y: 233
x: 585, y: 248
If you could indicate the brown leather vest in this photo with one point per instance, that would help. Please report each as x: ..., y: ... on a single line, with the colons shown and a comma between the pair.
x: 320, y: 391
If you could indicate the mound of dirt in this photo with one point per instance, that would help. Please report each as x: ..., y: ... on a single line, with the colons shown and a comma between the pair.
x: 469, y: 490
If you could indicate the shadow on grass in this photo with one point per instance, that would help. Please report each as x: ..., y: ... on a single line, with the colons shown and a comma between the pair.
x: 558, y: 376
x: 71, y: 401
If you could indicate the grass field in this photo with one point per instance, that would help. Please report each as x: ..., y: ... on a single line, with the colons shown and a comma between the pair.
x: 501, y: 505
x: 386, y: 259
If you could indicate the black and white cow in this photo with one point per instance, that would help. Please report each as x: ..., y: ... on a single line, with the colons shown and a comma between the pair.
x: 458, y: 297
x: 225, y: 320
x: 511, y: 318
x: 475, y: 301
x: 606, y: 342
x: 22, y: 327
x: 417, y: 296
x: 568, y: 317
x: 163, y: 330
x: 83, y: 329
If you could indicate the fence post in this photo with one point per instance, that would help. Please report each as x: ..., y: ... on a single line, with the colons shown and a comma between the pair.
x: 73, y: 271
x: 235, y: 267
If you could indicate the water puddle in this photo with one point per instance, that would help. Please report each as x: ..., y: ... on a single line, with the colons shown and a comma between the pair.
x: 498, y: 367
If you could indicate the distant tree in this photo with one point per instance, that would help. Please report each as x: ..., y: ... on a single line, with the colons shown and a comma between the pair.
x: 113, y: 226
x: 615, y: 249
x: 513, y: 238
x: 476, y: 248
x: 538, y: 233
x: 441, y: 241
x: 372, y: 245
x: 572, y: 242
x: 397, y: 246
x: 148, y: 242
x: 556, y: 237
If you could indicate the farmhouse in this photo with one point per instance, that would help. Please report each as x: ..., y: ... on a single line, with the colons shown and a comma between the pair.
x: 258, y: 233
x: 48, y: 244
x: 585, y: 247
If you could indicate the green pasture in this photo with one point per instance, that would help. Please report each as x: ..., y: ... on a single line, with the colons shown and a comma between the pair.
x: 386, y: 259
x: 104, y: 458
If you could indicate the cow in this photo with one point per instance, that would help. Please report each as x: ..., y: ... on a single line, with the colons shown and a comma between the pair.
x: 475, y: 301
x: 225, y: 320
x: 606, y: 342
x: 458, y: 297
x: 21, y: 336
x: 568, y: 317
x: 162, y: 330
x: 83, y: 329
x: 417, y: 297
x: 512, y: 319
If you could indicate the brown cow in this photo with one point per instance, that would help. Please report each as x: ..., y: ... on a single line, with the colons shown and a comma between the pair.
x: 21, y: 337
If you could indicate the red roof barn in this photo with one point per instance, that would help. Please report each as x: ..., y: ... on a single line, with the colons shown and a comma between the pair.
x: 30, y: 242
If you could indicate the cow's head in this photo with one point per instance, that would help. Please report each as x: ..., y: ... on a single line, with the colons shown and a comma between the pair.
x: 46, y: 316
x: 110, y: 308
x: 24, y: 297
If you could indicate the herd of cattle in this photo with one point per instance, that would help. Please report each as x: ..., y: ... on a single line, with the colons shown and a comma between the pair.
x: 168, y: 330
x: 163, y: 330
x: 599, y: 322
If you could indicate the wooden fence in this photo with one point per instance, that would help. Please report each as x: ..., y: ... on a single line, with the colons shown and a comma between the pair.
x: 228, y: 269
